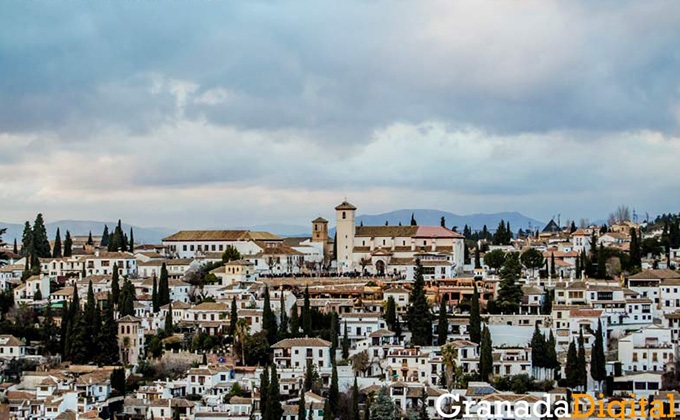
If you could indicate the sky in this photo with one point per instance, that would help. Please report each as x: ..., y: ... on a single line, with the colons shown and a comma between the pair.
x: 196, y: 113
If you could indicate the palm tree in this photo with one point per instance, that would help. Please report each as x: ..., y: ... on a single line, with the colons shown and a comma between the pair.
x: 449, y: 355
x: 241, y: 333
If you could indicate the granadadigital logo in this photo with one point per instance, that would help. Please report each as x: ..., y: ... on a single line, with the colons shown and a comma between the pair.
x: 585, y: 406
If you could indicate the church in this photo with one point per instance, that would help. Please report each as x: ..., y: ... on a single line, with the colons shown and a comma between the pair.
x: 393, y: 250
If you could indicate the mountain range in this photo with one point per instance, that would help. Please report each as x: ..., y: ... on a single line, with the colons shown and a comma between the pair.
x: 426, y: 217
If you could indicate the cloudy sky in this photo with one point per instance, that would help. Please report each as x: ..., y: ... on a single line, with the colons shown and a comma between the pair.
x: 216, y: 113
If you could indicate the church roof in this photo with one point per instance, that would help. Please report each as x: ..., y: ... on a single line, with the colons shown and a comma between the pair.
x: 551, y: 227
x: 319, y: 220
x: 345, y: 205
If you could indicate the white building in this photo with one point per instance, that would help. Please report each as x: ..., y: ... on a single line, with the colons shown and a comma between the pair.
x: 295, y: 353
x: 194, y: 243
x: 646, y: 350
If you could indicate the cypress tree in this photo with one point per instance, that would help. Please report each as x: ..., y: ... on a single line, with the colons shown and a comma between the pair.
x: 41, y: 244
x: 582, y: 373
x: 571, y: 368
x: 49, y: 332
x: 422, y: 414
x: 355, y: 401
x: 442, y: 222
x: 598, y: 361
x: 306, y: 314
x: 283, y: 328
x: 333, y: 390
x: 553, y: 363
x: 56, y: 249
x: 475, y: 317
x: 268, y: 319
x: 90, y: 241
x: 510, y: 292
x: 115, y: 285
x: 63, y: 328
x: 154, y: 295
x: 443, y: 323
x: 309, y: 377
x: 274, y: 409
x: 118, y: 381
x: 168, y: 321
x: 90, y: 316
x: 302, y: 414
x: 478, y: 261
x: 163, y: 287
x: 68, y: 245
x: 233, y: 317
x: 577, y: 269
x: 635, y: 254
x: 334, y: 332
x: 486, y: 355
x: 419, y: 316
x: 327, y: 410
x: 264, y: 392
x: 105, y: 237
x: 391, y: 313
x: 553, y: 272
x: 345, y: 345
x: 294, y: 321
x: 413, y: 220
x: 538, y: 351
x: 15, y: 249
x: 26, y: 240
x: 601, y: 263
x: 131, y: 246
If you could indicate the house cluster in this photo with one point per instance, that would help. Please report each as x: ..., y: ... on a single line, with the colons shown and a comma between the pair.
x: 224, y: 284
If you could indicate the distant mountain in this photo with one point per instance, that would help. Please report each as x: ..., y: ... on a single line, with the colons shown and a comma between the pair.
x: 83, y: 227
x: 428, y: 217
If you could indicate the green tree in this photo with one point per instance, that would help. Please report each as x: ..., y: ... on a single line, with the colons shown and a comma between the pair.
x: 169, y: 328
x: 306, y: 314
x: 443, y: 323
x: 41, y: 244
x: 345, y: 345
x: 268, y: 319
x: 475, y: 317
x: 56, y: 249
x: 532, y: 259
x: 274, y: 409
x: 49, y: 332
x: 419, y: 315
x: 571, y: 368
x: 154, y: 295
x: 163, y: 287
x: 68, y: 245
x: 553, y: 271
x: 553, y: 362
x: 283, y: 327
x: 598, y: 362
x: 105, y: 237
x: 230, y: 254
x: 264, y: 392
x: 233, y: 317
x: 601, y: 263
x: 485, y: 355
x: 118, y: 381
x: 510, y: 291
x: 582, y: 374
x: 635, y: 254
x: 422, y: 412
x: 90, y: 241
x: 131, y: 246
x: 355, y: 401
x: 108, y: 336
x: 495, y: 259
x: 539, y: 358
x: 115, y: 284
x: 333, y: 389
x: 478, y: 262
x: 390, y: 313
x: 383, y: 407
x: 294, y: 321
x: 302, y: 413
x: 413, y: 220
x: 26, y: 240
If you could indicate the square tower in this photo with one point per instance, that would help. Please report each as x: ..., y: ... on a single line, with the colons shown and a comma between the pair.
x: 346, y: 227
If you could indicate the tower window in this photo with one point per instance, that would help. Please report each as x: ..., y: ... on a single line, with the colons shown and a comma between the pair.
x: 344, y: 215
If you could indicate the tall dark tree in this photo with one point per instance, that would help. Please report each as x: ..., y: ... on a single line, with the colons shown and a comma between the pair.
x: 105, y: 237
x: 269, y: 319
x: 163, y: 287
x: 571, y: 368
x: 233, y: 317
x: 68, y: 245
x: 334, y: 331
x: 355, y: 414
x: 413, y: 220
x: 41, y: 245
x: 131, y: 245
x: 294, y: 321
x: 478, y: 261
x: 115, y: 285
x: 442, y: 222
x: 283, y: 324
x: 601, y: 263
x: 485, y: 355
x: 422, y: 410
x: 264, y: 393
x: 302, y: 408
x: 169, y: 326
x: 56, y: 249
x: 15, y: 249
x: 475, y: 317
x: 442, y: 323
x: 26, y: 240
x: 91, y: 319
x: 390, y: 313
x: 108, y: 336
x: 118, y: 381
x: 598, y: 362
x: 419, y: 315
x: 334, y: 390
x: 582, y: 363
x: 553, y: 362
x: 49, y: 332
x: 154, y: 295
x: 538, y: 351
x: 553, y: 271
x: 510, y: 290
x: 345, y: 345
x: 90, y: 241
x: 307, y: 314
x: 635, y: 254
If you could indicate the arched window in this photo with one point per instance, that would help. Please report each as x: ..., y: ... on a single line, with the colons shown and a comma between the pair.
x: 344, y: 215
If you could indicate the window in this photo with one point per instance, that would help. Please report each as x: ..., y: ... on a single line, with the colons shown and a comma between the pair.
x: 344, y: 216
